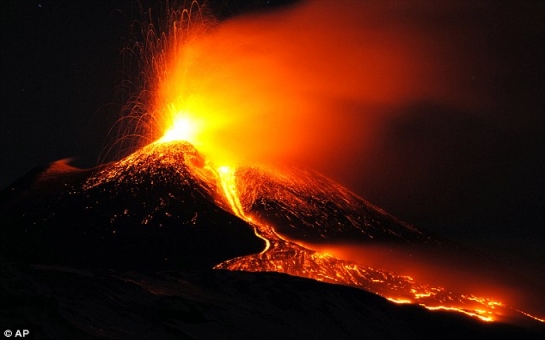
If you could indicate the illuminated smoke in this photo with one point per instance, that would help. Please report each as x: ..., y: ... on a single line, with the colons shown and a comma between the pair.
x: 304, y: 84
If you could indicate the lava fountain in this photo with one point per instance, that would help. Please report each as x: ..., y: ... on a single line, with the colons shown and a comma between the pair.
x: 214, y: 94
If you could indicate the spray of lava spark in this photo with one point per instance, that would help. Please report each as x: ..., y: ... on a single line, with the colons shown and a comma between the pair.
x: 214, y: 95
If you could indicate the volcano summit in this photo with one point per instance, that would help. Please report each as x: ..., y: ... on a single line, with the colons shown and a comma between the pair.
x: 151, y: 210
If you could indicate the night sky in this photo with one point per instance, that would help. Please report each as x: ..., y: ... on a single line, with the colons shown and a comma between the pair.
x: 471, y: 172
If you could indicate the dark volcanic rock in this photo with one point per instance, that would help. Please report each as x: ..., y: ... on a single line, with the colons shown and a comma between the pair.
x: 159, y: 208
x: 304, y: 205
x: 61, y: 302
x: 152, y: 210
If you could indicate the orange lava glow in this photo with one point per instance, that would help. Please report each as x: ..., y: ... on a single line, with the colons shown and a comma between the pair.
x: 254, y: 89
x: 182, y: 127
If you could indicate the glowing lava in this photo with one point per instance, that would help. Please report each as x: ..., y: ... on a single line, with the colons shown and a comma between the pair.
x: 226, y: 178
x: 183, y: 127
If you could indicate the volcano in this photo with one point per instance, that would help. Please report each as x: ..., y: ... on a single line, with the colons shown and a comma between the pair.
x: 163, y: 208
x: 168, y: 233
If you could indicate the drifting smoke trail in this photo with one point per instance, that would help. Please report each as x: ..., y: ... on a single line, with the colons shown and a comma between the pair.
x: 308, y: 84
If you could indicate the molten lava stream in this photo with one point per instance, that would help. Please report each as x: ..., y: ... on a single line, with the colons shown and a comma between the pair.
x: 285, y: 256
x: 226, y: 176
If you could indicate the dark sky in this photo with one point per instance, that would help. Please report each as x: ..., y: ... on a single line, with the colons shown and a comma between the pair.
x: 472, y: 172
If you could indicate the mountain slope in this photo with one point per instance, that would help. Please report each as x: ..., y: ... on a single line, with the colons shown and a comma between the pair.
x: 56, y: 302
x: 147, y: 211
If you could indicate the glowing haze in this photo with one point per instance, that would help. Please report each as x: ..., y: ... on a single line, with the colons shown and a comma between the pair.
x: 286, y: 85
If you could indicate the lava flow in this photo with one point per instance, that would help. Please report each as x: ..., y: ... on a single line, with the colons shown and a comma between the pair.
x: 307, y: 206
x: 192, y: 98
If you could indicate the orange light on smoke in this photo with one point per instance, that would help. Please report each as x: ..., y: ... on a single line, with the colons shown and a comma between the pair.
x: 267, y: 88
